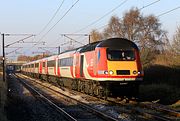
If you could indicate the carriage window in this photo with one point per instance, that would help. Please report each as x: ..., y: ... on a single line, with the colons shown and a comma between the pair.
x: 32, y: 65
x: 44, y: 64
x: 120, y: 55
x: 65, y: 62
x: 36, y: 65
x: 51, y: 63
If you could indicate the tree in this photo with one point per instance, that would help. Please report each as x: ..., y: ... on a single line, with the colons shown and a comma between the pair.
x: 114, y: 28
x: 23, y: 58
x: 145, y: 31
x: 31, y: 58
x: 176, y: 42
x: 95, y: 36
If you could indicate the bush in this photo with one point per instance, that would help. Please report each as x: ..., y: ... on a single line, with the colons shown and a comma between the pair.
x: 158, y: 74
x: 166, y: 94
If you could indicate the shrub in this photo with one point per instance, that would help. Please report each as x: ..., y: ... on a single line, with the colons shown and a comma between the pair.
x: 166, y: 94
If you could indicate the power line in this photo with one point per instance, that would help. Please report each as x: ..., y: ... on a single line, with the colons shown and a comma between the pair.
x: 149, y: 4
x: 21, y: 40
x: 13, y: 51
x: 102, y: 17
x: 52, y: 18
x: 56, y: 22
x: 168, y: 11
x: 139, y: 9
x: 59, y: 20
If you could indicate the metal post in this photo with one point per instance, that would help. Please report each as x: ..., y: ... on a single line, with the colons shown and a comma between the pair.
x: 89, y: 39
x: 59, y: 50
x: 3, y: 57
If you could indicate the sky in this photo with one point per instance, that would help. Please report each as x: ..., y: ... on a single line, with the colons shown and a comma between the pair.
x: 75, y: 18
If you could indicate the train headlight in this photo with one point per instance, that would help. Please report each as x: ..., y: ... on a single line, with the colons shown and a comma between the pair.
x: 111, y: 72
x: 106, y: 72
x: 135, y: 72
x: 141, y: 72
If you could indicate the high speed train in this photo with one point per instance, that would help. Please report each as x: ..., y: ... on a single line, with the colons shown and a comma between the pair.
x: 103, y: 68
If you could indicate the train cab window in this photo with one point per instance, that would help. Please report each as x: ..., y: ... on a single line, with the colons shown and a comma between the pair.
x: 120, y: 55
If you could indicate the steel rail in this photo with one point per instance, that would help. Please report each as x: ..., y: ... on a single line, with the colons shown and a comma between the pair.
x: 84, y: 105
x: 146, y: 114
x: 68, y: 116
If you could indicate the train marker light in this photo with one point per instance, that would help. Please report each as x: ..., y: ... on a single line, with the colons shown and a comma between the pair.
x: 106, y: 72
x: 111, y: 72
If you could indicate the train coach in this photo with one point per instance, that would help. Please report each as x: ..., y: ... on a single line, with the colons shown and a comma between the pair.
x: 103, y: 68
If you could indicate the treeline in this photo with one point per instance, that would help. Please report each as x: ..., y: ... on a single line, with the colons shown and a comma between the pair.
x: 31, y: 58
x: 146, y: 32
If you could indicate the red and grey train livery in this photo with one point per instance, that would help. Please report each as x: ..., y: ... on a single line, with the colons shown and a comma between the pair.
x: 105, y: 67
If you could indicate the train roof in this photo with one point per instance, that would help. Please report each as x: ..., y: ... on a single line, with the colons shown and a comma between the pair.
x: 117, y: 43
x: 114, y: 43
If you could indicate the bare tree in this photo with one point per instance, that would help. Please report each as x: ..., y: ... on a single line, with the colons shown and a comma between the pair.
x: 114, y: 28
x: 145, y: 31
x: 31, y: 58
x: 95, y: 36
x: 176, y: 42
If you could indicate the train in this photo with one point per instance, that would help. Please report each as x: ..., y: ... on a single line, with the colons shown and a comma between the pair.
x: 104, y: 68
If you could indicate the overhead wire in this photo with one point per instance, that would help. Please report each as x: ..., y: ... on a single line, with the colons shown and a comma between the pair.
x: 139, y: 9
x: 111, y: 12
x: 168, y: 11
x: 56, y: 23
x: 59, y: 20
x: 149, y: 4
x: 101, y: 17
x: 51, y: 18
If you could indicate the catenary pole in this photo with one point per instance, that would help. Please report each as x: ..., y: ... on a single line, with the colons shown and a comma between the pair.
x: 3, y: 57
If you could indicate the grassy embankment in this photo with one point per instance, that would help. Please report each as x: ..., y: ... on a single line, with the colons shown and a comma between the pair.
x: 162, y: 81
x: 2, y: 99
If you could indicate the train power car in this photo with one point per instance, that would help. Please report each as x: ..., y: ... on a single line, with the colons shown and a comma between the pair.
x: 103, y: 68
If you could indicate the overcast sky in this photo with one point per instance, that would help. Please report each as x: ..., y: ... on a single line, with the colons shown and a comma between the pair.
x: 31, y: 16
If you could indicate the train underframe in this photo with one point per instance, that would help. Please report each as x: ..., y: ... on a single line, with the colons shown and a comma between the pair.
x: 101, y: 89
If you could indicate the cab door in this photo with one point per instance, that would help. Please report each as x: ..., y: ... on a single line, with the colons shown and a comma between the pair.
x: 81, y: 65
x: 77, y: 65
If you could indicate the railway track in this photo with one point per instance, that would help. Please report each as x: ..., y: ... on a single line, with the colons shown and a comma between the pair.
x: 139, y: 109
x: 150, y: 110
x: 73, y: 112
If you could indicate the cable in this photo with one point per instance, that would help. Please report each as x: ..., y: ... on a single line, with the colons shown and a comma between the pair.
x: 56, y: 23
x: 102, y: 16
x: 18, y: 41
x: 168, y: 11
x: 51, y: 18
x: 149, y: 4
x: 59, y: 20
x: 139, y: 9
